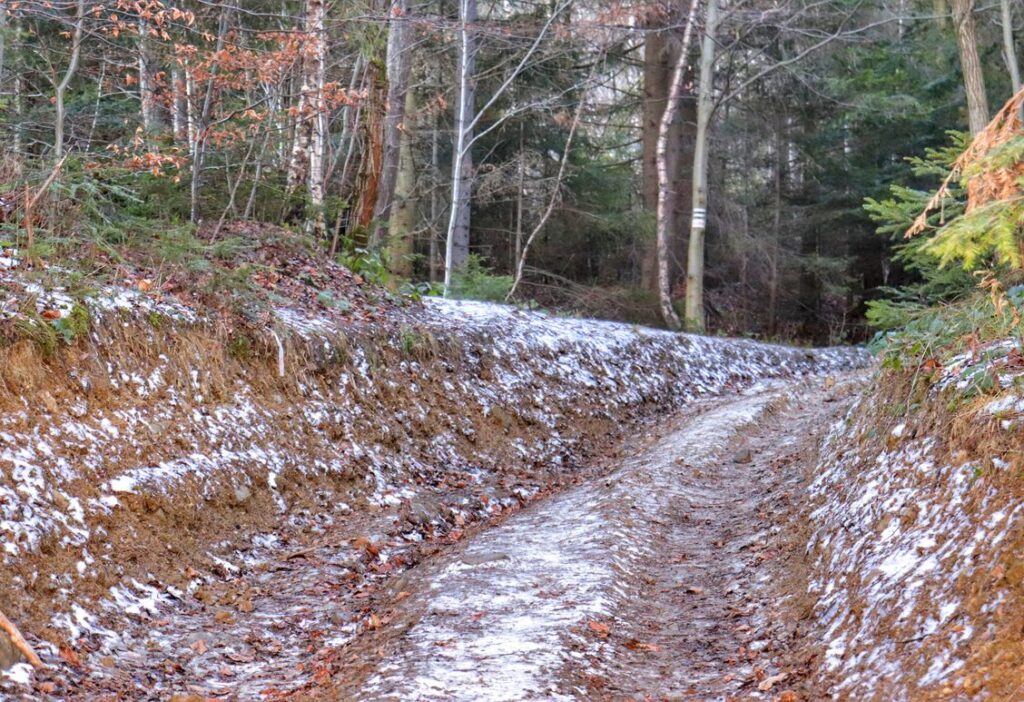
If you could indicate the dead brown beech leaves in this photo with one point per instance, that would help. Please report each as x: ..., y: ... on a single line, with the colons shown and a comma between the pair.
x: 604, y: 630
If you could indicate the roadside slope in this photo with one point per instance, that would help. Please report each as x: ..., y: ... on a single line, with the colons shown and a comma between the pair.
x: 137, y: 461
x: 919, y: 527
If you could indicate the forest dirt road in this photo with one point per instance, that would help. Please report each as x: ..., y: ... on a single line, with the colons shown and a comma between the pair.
x: 677, y: 575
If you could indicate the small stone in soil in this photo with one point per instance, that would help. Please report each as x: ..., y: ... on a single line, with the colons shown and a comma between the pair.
x: 742, y: 456
x: 475, y: 559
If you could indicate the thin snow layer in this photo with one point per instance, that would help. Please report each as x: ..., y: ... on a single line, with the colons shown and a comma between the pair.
x: 905, y: 547
x: 499, y: 621
x: 158, y: 432
x: 630, y: 363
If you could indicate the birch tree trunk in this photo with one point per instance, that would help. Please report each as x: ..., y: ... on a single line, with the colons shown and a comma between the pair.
x: 659, y: 62
x: 298, y: 164
x: 457, y: 241
x: 399, y: 62
x: 1009, y: 50
x: 698, y: 224
x: 970, y: 63
x: 316, y: 225
x: 62, y: 87
x: 666, y: 197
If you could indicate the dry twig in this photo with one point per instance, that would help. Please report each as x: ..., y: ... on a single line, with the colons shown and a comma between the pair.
x: 19, y: 642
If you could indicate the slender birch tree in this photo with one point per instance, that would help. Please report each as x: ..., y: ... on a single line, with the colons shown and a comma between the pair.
x: 466, y: 121
x: 666, y: 197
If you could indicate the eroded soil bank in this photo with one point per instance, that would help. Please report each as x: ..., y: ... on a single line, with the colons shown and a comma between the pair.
x: 150, y: 472
x: 918, y: 519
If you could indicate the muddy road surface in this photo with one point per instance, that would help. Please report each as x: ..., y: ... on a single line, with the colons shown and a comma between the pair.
x: 677, y: 573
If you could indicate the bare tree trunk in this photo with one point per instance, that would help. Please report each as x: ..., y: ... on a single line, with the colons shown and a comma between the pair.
x: 556, y: 193
x: 146, y: 93
x: 659, y: 62
x: 773, y: 260
x: 3, y: 40
x: 179, y: 107
x: 520, y: 193
x: 368, y: 176
x: 435, y: 198
x: 970, y: 63
x: 62, y: 87
x: 399, y: 61
x: 1009, y: 50
x: 316, y: 226
x: 457, y: 244
x: 404, y: 216
x: 190, y: 109
x: 19, y: 140
x: 298, y: 165
x: 695, y: 257
x: 203, y: 122
x: 96, y: 106
x: 665, y: 190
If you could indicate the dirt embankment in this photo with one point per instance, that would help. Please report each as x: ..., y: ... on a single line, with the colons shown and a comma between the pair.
x: 919, y: 533
x: 141, y: 457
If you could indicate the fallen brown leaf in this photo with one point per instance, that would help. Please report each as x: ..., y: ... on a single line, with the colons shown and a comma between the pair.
x: 600, y: 629
x: 769, y: 682
x: 364, y: 544
x: 635, y: 645
x: 70, y: 655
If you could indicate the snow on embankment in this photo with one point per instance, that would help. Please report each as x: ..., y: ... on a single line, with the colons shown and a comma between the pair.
x: 918, y: 542
x: 629, y: 365
x: 130, y: 460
